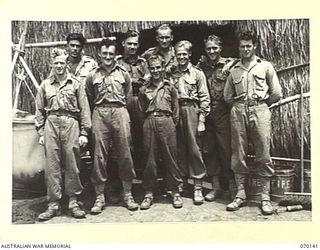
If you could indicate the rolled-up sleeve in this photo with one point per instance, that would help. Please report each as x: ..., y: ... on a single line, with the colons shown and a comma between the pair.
x: 40, y: 115
x: 85, y: 114
x: 275, y: 92
x: 203, y: 95
x: 229, y: 91
x: 175, y: 105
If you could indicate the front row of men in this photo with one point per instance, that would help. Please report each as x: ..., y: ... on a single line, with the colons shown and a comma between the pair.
x: 175, y: 109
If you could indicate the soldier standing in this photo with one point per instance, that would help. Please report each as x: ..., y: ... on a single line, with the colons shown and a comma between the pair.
x: 63, y: 122
x: 194, y: 102
x: 159, y: 100
x: 137, y: 68
x: 251, y: 87
x: 108, y: 88
x: 217, y: 149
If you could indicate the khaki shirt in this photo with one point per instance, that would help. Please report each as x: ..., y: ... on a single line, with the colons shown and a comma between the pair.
x: 69, y: 97
x: 169, y: 63
x: 160, y: 98
x: 260, y: 82
x: 137, y: 70
x: 85, y: 65
x: 114, y: 87
x: 216, y: 75
x: 191, y: 85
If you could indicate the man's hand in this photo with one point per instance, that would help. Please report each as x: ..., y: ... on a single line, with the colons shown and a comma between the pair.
x: 41, y: 140
x: 83, y: 140
x: 201, y: 127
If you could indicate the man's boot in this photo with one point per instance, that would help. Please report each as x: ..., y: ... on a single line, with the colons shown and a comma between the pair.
x: 240, y: 198
x: 52, y: 211
x: 198, y: 198
x: 216, y: 190
x: 266, y: 206
x: 99, y: 204
x: 75, y: 209
x: 127, y: 196
x: 147, y: 201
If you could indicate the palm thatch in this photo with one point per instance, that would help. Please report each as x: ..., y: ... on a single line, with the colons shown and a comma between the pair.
x: 284, y: 42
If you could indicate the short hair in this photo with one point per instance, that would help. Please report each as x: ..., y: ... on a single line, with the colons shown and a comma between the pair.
x: 183, y: 44
x: 77, y: 36
x: 213, y: 38
x: 108, y: 42
x: 131, y: 33
x: 163, y: 26
x: 154, y: 58
x: 55, y: 52
x: 248, y: 35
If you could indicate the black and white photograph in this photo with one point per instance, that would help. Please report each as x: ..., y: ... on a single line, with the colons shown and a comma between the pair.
x: 181, y: 121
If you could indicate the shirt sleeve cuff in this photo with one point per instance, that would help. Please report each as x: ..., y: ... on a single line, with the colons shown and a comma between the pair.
x: 202, y: 117
x: 84, y: 132
x: 41, y: 131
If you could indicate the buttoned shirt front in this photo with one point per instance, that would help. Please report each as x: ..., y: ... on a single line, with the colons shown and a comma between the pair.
x: 69, y: 97
x: 137, y: 69
x: 114, y: 87
x: 216, y: 75
x: 259, y: 82
x: 191, y: 85
x: 160, y: 98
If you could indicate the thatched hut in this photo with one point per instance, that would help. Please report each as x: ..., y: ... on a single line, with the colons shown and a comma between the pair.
x: 283, y: 42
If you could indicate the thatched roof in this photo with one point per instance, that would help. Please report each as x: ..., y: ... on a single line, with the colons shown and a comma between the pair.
x: 284, y: 42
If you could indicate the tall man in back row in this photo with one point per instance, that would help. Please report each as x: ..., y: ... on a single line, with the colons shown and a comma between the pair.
x: 108, y: 88
x: 217, y: 141
x: 165, y: 49
x: 251, y: 87
x: 78, y: 64
x: 137, y: 68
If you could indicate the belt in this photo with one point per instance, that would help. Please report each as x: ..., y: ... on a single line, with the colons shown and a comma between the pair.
x: 186, y: 102
x: 251, y: 102
x: 158, y: 114
x: 110, y: 104
x: 63, y: 113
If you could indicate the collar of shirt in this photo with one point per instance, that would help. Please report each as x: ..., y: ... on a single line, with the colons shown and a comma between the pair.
x: 52, y: 79
x: 255, y: 61
x: 115, y: 66
x: 187, y: 70
x: 132, y: 61
x: 171, y: 49
x: 205, y: 61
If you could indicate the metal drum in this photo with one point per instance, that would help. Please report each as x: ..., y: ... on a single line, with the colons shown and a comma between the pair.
x: 28, y: 157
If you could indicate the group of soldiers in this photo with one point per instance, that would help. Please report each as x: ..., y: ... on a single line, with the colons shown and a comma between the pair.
x: 150, y: 111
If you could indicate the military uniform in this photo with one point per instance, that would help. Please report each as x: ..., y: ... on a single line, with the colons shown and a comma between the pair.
x: 85, y: 65
x: 62, y: 115
x: 194, y: 105
x: 250, y: 92
x: 162, y: 115
x: 137, y: 70
x: 108, y: 95
x: 168, y: 64
x: 217, y: 141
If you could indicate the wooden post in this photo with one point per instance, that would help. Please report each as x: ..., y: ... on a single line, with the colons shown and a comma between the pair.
x: 20, y: 47
x: 29, y: 72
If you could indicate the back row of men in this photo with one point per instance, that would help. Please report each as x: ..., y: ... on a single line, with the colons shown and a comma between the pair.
x: 165, y: 103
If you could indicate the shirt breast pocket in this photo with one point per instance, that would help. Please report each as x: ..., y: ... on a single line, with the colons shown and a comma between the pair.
x: 191, y: 86
x: 70, y: 99
x: 99, y: 86
x: 239, y: 85
x: 261, y: 87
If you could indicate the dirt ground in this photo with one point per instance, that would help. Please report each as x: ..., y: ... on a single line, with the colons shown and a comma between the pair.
x: 26, y: 208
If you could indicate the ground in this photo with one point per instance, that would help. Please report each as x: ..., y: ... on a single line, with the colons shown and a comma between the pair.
x: 26, y: 209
